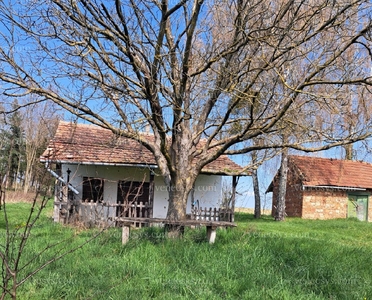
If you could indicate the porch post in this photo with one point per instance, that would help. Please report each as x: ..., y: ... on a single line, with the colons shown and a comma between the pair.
x: 57, y: 198
x: 151, y: 192
x: 233, y: 192
x: 65, y: 207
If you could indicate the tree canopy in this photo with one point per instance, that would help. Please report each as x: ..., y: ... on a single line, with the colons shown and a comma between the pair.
x: 227, y: 72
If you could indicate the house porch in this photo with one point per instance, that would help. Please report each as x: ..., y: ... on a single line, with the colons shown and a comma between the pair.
x: 135, y: 202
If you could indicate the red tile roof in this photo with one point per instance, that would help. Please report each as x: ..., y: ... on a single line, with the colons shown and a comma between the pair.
x: 317, y: 171
x: 89, y: 144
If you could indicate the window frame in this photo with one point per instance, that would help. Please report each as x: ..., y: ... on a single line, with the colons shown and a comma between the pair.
x: 93, y: 189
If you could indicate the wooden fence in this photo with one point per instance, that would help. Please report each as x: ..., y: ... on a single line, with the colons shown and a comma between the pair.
x: 104, y: 213
x: 212, y: 214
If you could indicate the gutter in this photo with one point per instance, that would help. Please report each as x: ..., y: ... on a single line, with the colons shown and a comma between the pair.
x: 333, y: 187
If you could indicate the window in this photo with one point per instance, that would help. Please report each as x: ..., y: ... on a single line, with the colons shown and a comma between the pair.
x: 92, y: 189
x: 130, y: 193
x: 133, y: 191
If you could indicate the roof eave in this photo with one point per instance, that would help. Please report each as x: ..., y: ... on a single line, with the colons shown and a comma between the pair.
x: 72, y: 162
x: 334, y: 187
x: 140, y: 165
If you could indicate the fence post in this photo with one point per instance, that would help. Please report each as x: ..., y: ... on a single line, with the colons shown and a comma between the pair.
x: 211, y: 234
x: 140, y: 209
x: 125, y: 234
x: 147, y: 208
x: 91, y: 214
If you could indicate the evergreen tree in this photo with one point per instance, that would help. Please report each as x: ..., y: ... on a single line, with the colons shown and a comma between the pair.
x: 12, y: 162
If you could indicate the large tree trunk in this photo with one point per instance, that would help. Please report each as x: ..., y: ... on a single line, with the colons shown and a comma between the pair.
x: 280, y: 203
x: 178, y: 195
x: 182, y: 175
x: 179, y: 191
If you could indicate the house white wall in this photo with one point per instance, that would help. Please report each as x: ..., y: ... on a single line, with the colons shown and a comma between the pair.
x: 208, y: 188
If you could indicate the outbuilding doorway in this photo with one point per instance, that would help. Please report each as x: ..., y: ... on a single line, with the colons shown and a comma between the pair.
x: 358, y: 207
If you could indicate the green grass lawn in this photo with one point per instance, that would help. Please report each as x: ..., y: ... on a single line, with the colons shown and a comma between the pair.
x: 260, y: 259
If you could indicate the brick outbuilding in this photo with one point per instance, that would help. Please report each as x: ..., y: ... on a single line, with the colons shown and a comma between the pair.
x: 325, y: 188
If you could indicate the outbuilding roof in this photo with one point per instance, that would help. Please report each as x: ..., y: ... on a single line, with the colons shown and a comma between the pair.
x: 318, y: 171
x: 329, y: 172
x: 90, y: 144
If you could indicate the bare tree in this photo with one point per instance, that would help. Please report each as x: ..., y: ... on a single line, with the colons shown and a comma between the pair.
x: 282, y: 187
x: 183, y: 67
x: 39, y: 124
x: 256, y: 188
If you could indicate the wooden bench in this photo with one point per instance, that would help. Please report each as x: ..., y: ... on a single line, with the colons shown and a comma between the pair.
x: 210, y: 225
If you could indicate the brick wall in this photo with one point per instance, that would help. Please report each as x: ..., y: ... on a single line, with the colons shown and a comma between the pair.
x: 324, y: 204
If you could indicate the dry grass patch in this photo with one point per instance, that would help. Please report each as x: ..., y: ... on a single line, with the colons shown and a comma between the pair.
x: 251, y: 210
x: 19, y: 197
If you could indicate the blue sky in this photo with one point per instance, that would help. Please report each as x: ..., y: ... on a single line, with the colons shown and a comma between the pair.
x: 266, y: 171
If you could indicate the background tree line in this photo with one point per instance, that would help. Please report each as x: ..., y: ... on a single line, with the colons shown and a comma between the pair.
x: 24, y: 134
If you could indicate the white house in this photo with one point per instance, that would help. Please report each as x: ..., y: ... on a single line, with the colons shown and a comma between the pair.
x: 119, y: 177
